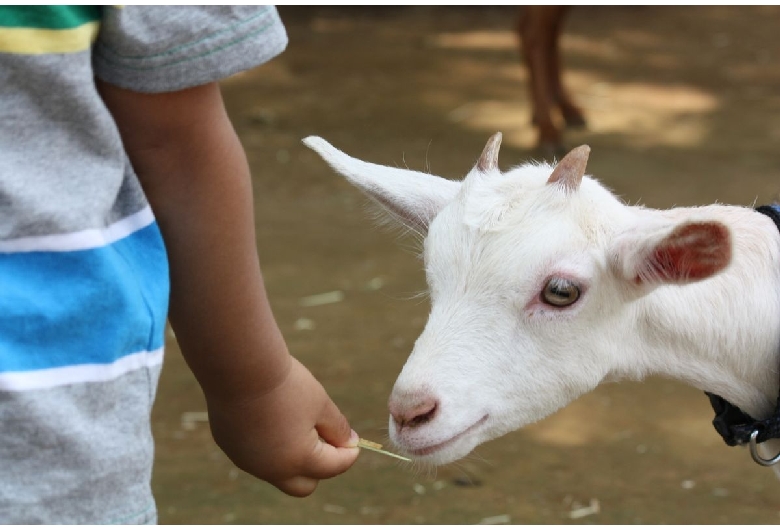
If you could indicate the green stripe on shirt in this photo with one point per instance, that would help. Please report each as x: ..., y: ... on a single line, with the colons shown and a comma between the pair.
x: 48, y: 17
x: 34, y: 30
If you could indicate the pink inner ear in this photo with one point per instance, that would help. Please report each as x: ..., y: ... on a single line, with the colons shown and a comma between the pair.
x: 694, y: 251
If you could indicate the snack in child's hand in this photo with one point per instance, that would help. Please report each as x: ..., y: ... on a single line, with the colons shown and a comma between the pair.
x: 373, y: 446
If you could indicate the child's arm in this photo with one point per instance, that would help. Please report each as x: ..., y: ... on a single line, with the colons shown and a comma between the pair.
x: 267, y: 412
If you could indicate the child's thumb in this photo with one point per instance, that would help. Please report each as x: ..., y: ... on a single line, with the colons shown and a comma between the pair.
x: 334, y: 428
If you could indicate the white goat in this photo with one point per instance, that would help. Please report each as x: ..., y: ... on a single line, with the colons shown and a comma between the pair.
x: 543, y: 284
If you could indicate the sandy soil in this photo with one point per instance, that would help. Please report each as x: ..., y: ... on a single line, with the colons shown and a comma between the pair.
x: 682, y: 106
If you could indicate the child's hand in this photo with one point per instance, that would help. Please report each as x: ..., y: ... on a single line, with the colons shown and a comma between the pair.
x: 291, y: 437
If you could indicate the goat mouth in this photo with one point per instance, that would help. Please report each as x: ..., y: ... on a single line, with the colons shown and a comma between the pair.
x: 436, y: 447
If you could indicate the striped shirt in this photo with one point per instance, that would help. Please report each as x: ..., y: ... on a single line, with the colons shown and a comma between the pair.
x: 83, y: 268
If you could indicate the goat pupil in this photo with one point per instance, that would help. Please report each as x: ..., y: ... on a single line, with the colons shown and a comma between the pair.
x: 560, y: 292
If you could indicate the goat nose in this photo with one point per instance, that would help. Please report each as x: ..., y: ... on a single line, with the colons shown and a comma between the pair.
x: 411, y: 413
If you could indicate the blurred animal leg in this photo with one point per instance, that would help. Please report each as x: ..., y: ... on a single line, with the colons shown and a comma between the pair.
x: 534, y: 25
x: 571, y: 113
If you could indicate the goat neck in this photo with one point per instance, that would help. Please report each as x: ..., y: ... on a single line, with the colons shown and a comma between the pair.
x: 721, y: 335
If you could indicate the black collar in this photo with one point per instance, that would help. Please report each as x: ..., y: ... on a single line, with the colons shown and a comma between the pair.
x: 732, y: 424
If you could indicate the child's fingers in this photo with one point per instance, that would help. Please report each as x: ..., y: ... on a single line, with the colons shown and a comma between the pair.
x: 329, y: 461
x: 298, y: 486
x: 326, y: 462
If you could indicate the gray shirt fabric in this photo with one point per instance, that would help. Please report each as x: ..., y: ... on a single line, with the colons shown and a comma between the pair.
x: 83, y: 270
x: 187, y: 49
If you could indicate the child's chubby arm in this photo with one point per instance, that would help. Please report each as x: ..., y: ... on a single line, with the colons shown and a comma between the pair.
x: 266, y: 410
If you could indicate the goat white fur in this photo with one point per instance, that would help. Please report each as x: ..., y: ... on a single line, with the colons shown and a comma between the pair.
x: 689, y: 293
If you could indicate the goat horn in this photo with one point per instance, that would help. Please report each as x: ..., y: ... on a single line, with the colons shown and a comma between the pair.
x: 571, y: 168
x: 488, y: 160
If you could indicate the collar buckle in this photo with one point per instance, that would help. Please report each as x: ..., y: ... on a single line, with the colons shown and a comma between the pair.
x: 757, y: 458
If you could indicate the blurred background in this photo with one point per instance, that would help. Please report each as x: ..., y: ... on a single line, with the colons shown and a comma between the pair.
x: 681, y: 105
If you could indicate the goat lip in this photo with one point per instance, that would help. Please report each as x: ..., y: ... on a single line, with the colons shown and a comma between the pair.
x: 433, y: 448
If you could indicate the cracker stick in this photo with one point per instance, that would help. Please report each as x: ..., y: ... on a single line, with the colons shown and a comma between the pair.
x: 373, y: 446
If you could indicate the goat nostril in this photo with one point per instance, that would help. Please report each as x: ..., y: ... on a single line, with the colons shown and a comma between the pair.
x: 422, y: 419
x: 414, y: 416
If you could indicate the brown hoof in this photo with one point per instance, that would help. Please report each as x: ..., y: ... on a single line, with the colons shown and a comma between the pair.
x: 551, y: 150
x: 575, y: 122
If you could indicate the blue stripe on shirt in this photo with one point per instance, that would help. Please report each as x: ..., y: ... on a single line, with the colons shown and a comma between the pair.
x: 83, y: 307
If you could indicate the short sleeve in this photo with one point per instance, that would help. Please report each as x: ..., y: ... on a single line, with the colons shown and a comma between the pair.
x: 169, y: 48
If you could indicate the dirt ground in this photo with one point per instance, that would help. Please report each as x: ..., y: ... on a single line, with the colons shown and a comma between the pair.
x: 683, y: 109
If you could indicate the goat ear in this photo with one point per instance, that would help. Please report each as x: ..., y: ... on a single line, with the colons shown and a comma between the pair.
x: 410, y: 197
x: 678, y: 253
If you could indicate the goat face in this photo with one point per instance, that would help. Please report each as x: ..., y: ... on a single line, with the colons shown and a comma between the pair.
x: 530, y: 274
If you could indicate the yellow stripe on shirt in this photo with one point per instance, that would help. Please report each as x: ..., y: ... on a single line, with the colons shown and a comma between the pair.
x: 34, y: 41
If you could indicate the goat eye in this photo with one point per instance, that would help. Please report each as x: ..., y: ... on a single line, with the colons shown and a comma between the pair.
x: 560, y: 292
